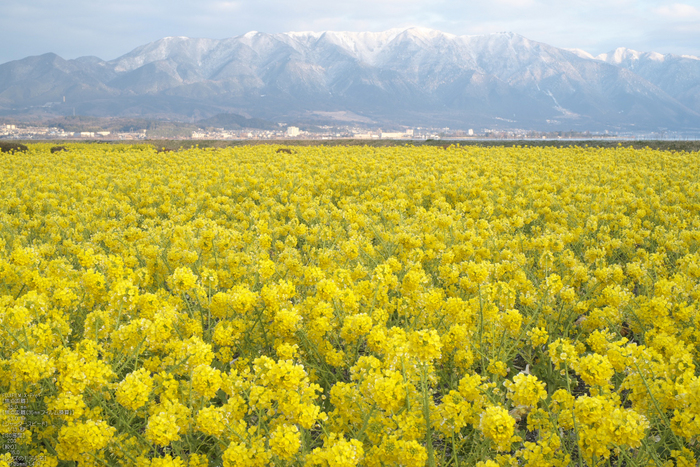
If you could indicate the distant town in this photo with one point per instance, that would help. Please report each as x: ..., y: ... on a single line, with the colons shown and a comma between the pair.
x: 23, y: 131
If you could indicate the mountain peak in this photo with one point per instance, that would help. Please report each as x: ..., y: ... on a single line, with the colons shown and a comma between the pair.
x: 619, y: 55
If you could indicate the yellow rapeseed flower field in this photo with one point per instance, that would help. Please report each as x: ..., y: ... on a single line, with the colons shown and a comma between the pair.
x: 338, y: 307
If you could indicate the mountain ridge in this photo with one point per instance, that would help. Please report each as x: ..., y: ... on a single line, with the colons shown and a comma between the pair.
x: 413, y: 76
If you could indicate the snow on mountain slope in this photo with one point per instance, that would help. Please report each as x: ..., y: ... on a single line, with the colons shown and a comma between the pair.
x: 677, y: 75
x: 178, y: 49
x: 409, y: 73
x: 581, y: 53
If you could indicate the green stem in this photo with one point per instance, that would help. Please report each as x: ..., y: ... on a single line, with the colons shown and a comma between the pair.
x: 573, y: 416
x: 426, y: 415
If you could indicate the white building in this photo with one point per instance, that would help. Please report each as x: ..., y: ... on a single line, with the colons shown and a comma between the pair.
x: 292, y: 131
x: 393, y: 135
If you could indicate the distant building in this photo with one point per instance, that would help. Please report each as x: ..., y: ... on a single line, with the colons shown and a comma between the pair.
x: 393, y: 135
x: 470, y: 132
x: 292, y: 131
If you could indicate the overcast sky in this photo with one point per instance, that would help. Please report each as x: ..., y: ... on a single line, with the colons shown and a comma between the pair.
x: 73, y: 28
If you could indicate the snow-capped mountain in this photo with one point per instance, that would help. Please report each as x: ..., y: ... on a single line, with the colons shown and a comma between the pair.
x: 677, y: 75
x: 409, y: 76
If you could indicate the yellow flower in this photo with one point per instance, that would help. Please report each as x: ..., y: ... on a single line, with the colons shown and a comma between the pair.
x: 31, y: 367
x: 287, y: 351
x: 182, y: 280
x: 512, y: 320
x: 628, y: 427
x: 266, y: 269
x: 78, y: 438
x: 44, y: 459
x: 167, y: 461
x: 388, y: 391
x: 425, y: 345
x: 210, y: 421
x: 538, y: 337
x: 684, y: 457
x: 239, y: 455
x: 197, y: 460
x: 71, y: 405
x: 497, y: 367
x: 526, y: 390
x: 561, y: 351
x: 162, y: 428
x: 206, y: 380
x: 498, y: 426
x: 595, y: 369
x: 356, y: 326
x: 337, y: 452
x: 286, y: 322
x: 134, y: 390
x: 210, y: 278
x: 285, y: 441
x: 411, y: 453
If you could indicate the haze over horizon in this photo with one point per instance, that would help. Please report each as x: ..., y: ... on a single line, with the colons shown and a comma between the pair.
x: 109, y: 30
